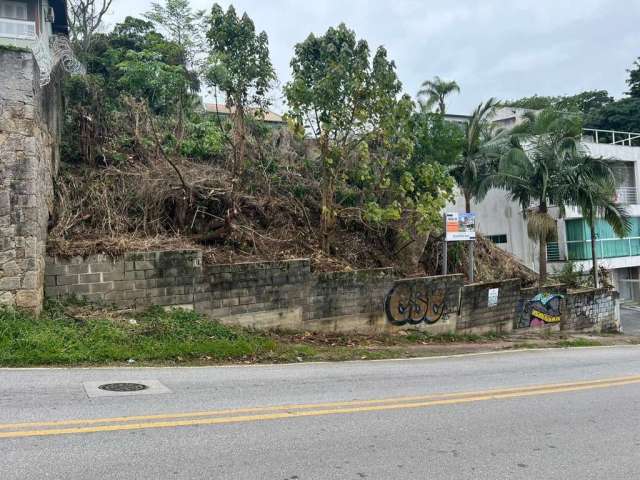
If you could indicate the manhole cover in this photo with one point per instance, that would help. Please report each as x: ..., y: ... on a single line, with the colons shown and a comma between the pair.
x: 122, y: 387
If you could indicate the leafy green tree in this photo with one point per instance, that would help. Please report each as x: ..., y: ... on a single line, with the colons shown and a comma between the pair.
x: 634, y: 79
x: 183, y: 26
x: 436, y: 91
x: 622, y: 115
x: 584, y: 102
x: 436, y: 140
x: 535, y: 171
x: 240, y: 67
x: 343, y: 98
x: 480, y: 150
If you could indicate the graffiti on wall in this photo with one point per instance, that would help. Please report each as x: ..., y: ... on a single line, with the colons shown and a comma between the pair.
x: 541, y: 310
x: 413, y: 303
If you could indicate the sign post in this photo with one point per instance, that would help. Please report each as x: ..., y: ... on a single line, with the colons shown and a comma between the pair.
x: 461, y: 227
x: 445, y: 260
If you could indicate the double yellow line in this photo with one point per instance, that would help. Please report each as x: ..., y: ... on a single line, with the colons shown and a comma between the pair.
x: 254, y: 414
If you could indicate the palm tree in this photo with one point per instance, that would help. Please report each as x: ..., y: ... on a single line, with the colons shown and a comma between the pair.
x: 592, y: 189
x: 482, y: 143
x: 436, y: 91
x: 536, y: 169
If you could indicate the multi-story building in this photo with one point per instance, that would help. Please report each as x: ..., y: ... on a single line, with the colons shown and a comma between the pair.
x: 23, y: 22
x: 501, y: 219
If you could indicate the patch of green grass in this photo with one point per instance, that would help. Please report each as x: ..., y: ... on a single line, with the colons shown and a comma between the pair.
x: 578, y: 342
x: 417, y: 336
x: 55, y: 338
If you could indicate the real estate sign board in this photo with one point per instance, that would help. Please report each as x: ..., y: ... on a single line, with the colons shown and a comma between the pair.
x: 460, y: 227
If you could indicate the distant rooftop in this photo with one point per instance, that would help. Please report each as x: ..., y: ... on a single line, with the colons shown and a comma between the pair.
x: 221, y: 109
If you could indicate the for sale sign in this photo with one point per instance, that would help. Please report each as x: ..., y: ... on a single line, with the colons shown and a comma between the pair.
x: 460, y: 227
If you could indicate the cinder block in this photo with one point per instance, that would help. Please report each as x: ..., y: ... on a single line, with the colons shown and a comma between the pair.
x: 67, y: 279
x: 144, y: 265
x: 90, y: 278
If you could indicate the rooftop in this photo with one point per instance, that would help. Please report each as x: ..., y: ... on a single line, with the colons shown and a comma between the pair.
x: 221, y: 109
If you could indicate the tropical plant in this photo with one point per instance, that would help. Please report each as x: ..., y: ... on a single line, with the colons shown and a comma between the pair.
x: 436, y: 91
x: 535, y: 168
x: 480, y: 154
x: 591, y: 187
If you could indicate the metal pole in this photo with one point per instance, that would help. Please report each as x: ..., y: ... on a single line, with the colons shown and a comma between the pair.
x: 472, y: 245
x: 445, y: 260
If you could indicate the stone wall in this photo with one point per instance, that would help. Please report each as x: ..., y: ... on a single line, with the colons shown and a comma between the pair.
x: 288, y: 295
x: 29, y: 120
x: 591, y: 310
x: 488, y: 307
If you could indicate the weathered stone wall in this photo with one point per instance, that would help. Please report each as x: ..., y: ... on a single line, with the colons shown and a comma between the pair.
x: 591, y: 310
x: 488, y: 307
x: 29, y: 120
x: 287, y: 295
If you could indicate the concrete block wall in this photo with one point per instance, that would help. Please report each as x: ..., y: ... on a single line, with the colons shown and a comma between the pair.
x: 481, y: 314
x: 29, y: 129
x: 287, y: 295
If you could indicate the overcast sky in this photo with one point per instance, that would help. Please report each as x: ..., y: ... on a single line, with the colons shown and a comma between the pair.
x: 503, y: 48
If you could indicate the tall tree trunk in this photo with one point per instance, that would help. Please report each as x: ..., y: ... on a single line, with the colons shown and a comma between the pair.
x: 239, y: 141
x: 594, y: 251
x: 542, y: 258
x: 327, y: 214
x: 467, y: 202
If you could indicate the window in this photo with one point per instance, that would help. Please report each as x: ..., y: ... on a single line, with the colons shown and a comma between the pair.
x: 13, y: 10
x: 498, y: 239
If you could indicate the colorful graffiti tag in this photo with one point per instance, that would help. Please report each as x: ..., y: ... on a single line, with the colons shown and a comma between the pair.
x: 541, y: 310
x: 414, y: 303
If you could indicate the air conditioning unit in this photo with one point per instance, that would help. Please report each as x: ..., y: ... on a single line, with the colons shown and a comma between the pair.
x: 49, y: 15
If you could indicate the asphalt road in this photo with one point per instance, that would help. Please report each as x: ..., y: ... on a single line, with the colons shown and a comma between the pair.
x: 630, y: 318
x: 537, y: 414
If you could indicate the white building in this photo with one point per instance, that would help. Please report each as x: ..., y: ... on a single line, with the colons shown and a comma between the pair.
x: 500, y: 219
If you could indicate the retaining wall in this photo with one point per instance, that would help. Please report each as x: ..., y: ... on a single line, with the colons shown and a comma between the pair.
x: 288, y: 295
x: 488, y: 307
x: 29, y: 130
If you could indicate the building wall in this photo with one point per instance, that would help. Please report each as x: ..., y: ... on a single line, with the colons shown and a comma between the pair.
x: 288, y: 295
x: 29, y: 118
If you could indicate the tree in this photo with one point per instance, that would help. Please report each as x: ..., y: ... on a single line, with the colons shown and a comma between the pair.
x: 634, y: 79
x: 584, y: 102
x: 436, y: 91
x: 342, y: 97
x: 86, y: 18
x: 182, y: 25
x: 436, y: 139
x: 535, y: 171
x: 622, y: 115
x: 240, y: 67
x: 473, y: 168
x: 591, y: 187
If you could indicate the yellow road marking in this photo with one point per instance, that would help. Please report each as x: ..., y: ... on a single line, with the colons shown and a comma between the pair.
x: 310, y: 410
x: 165, y: 416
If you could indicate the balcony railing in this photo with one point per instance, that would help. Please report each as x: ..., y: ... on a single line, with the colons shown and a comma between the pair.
x: 17, y: 29
x: 612, y: 137
x: 627, y: 195
x: 605, y: 248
